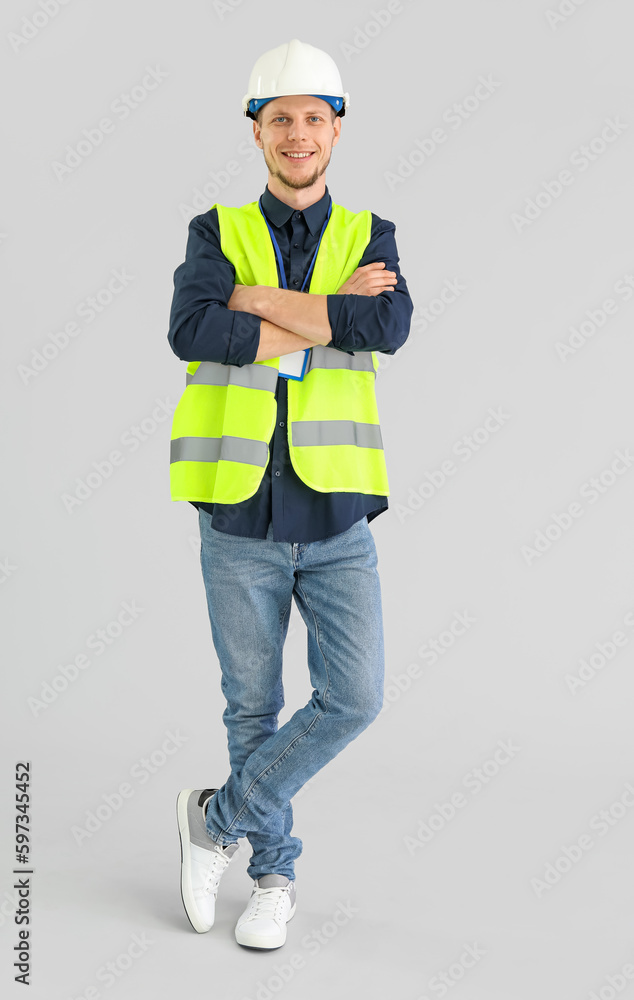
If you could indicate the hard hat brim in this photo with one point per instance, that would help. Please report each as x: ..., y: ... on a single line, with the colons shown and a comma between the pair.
x: 249, y: 97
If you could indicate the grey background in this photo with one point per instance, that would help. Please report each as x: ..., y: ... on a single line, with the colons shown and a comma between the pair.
x: 412, y: 908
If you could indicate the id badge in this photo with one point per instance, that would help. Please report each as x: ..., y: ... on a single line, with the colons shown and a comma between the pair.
x: 294, y: 365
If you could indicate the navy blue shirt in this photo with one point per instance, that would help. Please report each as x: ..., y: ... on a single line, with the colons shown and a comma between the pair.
x: 202, y: 328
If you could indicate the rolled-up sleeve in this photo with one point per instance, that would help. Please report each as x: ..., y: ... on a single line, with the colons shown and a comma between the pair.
x: 373, y: 322
x: 201, y: 327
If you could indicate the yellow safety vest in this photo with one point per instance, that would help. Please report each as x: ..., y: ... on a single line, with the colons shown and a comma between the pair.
x: 224, y: 421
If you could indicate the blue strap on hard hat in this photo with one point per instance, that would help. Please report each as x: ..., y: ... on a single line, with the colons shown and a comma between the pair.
x: 256, y: 103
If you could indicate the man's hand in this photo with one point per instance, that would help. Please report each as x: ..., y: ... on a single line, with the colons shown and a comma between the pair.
x: 369, y: 280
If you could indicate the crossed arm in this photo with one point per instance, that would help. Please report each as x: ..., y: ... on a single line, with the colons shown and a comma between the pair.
x: 292, y: 321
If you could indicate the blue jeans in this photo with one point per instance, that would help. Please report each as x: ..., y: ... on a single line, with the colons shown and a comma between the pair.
x: 250, y: 583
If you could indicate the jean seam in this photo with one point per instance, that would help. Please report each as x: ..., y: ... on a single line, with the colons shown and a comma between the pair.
x: 263, y: 774
x: 316, y: 623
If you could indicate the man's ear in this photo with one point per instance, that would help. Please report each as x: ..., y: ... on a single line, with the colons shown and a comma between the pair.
x: 256, y: 134
x: 337, y: 127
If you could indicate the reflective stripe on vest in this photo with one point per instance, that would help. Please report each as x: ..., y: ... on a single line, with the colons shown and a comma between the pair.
x: 225, y: 419
x: 251, y: 376
x: 321, y: 432
x: 327, y: 357
x: 230, y: 449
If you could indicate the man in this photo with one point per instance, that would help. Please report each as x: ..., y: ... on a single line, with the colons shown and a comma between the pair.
x: 286, y: 468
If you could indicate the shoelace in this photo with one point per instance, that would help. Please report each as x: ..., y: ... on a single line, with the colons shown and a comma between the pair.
x: 217, y: 866
x: 267, y: 902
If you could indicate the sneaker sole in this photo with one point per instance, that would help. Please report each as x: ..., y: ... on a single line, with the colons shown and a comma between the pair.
x: 255, y: 941
x: 189, y: 903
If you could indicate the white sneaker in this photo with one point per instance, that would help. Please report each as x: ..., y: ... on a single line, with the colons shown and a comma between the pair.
x: 272, y: 904
x: 202, y: 860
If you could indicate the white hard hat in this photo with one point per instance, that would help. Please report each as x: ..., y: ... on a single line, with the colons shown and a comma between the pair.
x: 294, y: 68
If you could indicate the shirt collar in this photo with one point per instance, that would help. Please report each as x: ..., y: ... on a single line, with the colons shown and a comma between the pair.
x: 278, y: 213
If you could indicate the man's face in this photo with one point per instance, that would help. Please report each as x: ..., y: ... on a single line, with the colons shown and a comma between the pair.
x: 292, y: 125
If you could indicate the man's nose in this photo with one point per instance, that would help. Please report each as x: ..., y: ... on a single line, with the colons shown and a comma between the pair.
x: 297, y: 131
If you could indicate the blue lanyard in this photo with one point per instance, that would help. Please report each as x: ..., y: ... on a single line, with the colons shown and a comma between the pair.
x: 278, y: 252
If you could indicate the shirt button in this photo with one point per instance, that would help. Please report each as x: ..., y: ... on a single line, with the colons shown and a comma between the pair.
x: 296, y: 245
x: 295, y: 281
x: 298, y: 215
x: 281, y: 423
x: 277, y: 473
